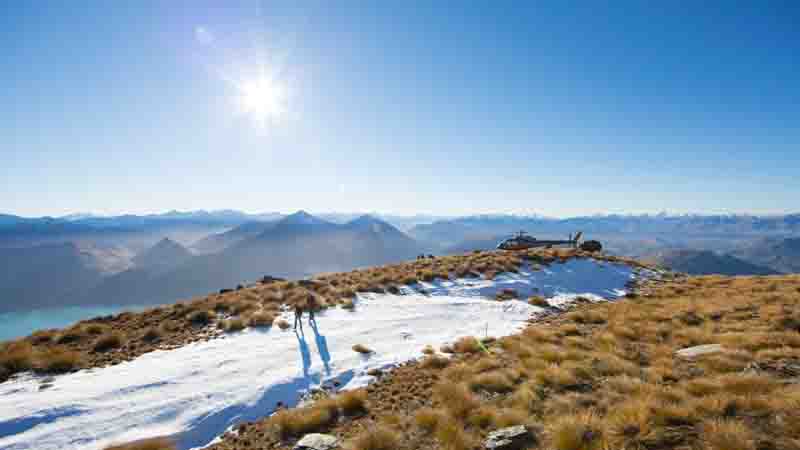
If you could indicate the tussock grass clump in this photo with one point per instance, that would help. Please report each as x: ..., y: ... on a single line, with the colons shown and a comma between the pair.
x: 16, y: 356
x: 576, y: 432
x: 352, y: 402
x: 235, y: 324
x: 109, y: 342
x: 96, y: 329
x: 435, y: 362
x: 456, y: 398
x: 451, y: 436
x: 539, y: 301
x: 467, y: 345
x: 348, y: 304
x: 58, y: 360
x: 427, y: 419
x: 71, y: 335
x: 507, y: 294
x: 283, y: 324
x: 147, y: 444
x: 152, y: 334
x: 262, y: 319
x: 296, y: 422
x: 378, y: 438
x: 202, y: 317
x: 358, y: 348
x: 727, y: 435
x: 498, y: 381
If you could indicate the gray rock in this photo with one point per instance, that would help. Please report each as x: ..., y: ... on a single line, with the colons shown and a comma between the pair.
x: 511, y: 438
x: 698, y: 351
x: 316, y: 441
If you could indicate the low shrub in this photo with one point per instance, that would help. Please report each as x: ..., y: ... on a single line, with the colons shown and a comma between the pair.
x: 96, y: 329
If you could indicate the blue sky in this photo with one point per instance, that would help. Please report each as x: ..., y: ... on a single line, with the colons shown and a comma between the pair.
x: 472, y: 107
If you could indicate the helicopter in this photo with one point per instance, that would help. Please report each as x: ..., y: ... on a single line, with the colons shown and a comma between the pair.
x: 522, y: 240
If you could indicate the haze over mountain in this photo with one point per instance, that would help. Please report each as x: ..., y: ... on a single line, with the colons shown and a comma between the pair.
x: 162, y: 257
x: 779, y: 254
x: 296, y: 246
x: 704, y: 262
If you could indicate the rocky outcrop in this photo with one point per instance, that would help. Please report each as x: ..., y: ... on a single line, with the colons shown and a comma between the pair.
x: 511, y: 438
x: 316, y: 441
x: 699, y: 351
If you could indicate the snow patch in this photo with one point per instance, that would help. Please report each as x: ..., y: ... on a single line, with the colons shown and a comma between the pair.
x: 198, y: 391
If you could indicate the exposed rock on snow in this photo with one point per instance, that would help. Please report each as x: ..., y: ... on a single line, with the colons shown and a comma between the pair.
x: 511, y: 438
x: 316, y: 441
x: 698, y: 351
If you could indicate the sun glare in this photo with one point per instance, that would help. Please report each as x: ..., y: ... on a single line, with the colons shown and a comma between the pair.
x: 263, y: 99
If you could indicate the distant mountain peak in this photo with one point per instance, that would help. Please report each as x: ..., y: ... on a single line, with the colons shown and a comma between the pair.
x: 302, y: 218
x: 165, y: 252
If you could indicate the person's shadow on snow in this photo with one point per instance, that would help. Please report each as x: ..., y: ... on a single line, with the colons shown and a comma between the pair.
x: 305, y: 354
x: 322, y: 347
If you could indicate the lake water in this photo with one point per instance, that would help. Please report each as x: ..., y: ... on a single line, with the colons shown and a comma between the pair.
x: 18, y: 324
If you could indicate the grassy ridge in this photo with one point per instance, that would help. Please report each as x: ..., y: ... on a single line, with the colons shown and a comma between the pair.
x: 113, y: 339
x: 604, y: 376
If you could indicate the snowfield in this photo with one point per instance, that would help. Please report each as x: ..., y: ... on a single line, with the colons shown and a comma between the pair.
x: 198, y: 391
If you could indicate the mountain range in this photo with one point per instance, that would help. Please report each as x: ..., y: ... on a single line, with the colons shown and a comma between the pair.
x: 87, y: 259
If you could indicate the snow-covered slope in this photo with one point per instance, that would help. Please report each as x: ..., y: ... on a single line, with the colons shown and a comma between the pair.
x: 198, y: 391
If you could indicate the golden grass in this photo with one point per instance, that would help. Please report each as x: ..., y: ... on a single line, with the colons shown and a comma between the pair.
x: 148, y: 444
x: 108, y: 342
x: 234, y: 324
x: 352, y: 402
x: 466, y: 345
x: 499, y: 381
x: 456, y: 398
x: 202, y: 317
x: 152, y: 334
x: 296, y: 422
x: 377, y: 438
x: 16, y: 356
x: 727, y: 435
x: 57, y: 360
x: 248, y: 301
x: 428, y: 419
x: 261, y: 319
x: 435, y: 362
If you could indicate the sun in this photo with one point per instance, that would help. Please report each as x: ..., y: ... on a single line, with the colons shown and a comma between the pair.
x: 263, y: 98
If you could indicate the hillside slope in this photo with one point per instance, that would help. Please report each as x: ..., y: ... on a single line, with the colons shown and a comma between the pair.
x: 703, y: 262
